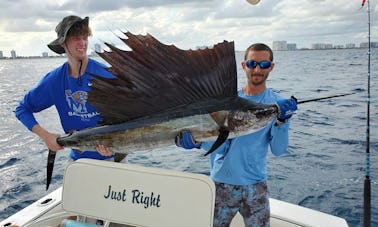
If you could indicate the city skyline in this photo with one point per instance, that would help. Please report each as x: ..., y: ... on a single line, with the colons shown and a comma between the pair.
x: 282, y: 46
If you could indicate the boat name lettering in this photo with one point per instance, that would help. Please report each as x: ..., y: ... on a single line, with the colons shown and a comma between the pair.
x: 114, y: 195
x: 138, y: 197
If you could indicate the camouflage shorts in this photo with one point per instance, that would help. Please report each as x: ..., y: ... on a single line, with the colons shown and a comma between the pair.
x: 251, y: 201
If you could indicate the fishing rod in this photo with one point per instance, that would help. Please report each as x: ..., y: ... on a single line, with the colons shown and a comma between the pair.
x: 367, y: 184
x: 327, y: 97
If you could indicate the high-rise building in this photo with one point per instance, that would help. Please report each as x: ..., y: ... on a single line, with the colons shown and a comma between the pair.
x: 13, y: 54
x: 97, y: 47
x: 291, y: 46
x: 322, y: 46
x: 279, y: 45
x: 1, y: 54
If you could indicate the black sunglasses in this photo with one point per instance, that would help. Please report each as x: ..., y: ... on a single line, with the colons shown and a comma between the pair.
x: 253, y: 64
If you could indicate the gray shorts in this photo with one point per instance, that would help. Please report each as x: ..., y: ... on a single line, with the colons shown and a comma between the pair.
x: 251, y: 201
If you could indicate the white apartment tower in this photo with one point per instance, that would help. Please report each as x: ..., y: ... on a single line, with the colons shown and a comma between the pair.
x: 279, y: 45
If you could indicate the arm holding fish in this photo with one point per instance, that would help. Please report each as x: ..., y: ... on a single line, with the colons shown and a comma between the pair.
x: 279, y: 136
x: 35, y: 101
x: 48, y: 138
x: 104, y: 150
x: 185, y: 140
x: 286, y: 108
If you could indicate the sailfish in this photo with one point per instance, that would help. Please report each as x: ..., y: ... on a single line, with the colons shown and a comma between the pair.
x: 159, y: 90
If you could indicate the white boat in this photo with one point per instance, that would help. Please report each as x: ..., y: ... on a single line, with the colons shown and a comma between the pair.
x: 130, y: 195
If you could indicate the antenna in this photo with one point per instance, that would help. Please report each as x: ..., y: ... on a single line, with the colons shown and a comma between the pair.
x: 367, y: 187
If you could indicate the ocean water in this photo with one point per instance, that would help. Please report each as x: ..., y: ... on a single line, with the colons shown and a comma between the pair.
x: 323, y: 170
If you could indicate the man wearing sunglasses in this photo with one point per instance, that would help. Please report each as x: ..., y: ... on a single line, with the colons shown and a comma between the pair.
x: 238, y: 166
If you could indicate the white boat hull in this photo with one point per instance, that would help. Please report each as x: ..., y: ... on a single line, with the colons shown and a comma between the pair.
x: 195, y: 208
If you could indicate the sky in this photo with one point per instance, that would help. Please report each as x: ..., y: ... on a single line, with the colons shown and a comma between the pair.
x: 27, y: 26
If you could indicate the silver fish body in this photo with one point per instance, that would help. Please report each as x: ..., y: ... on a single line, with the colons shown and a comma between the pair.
x: 160, y: 130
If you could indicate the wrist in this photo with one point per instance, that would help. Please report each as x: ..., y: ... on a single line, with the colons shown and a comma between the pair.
x: 41, y: 132
x: 280, y: 122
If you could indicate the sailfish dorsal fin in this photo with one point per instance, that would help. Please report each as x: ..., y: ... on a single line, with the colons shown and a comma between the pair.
x: 154, y: 77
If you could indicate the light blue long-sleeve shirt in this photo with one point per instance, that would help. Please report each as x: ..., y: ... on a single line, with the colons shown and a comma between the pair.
x: 242, y: 160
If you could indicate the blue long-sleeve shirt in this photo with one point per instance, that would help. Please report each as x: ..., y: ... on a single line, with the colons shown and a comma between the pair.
x: 69, y: 96
x: 242, y: 160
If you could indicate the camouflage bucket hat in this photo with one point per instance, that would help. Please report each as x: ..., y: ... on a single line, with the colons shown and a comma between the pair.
x: 62, y: 29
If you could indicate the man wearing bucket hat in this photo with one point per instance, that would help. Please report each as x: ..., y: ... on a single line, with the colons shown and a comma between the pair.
x: 64, y: 27
x: 66, y: 88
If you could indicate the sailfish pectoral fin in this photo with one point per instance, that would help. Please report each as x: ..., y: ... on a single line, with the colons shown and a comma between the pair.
x: 222, y: 137
x: 50, y: 167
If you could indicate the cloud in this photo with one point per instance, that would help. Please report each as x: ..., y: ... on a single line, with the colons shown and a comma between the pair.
x: 189, y: 24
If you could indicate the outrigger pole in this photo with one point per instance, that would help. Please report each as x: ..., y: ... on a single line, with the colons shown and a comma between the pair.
x: 367, y: 189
